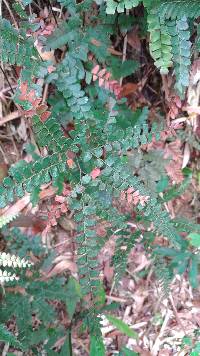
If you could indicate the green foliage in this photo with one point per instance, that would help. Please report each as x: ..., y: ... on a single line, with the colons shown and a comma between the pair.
x: 34, y: 297
x: 169, y: 34
x: 7, y: 337
x: 177, y: 9
x: 120, y: 258
x: 4, y: 220
x: 96, y: 346
x: 17, y: 48
x: 180, y: 35
x: 50, y: 134
x: 194, y: 239
x: 27, y: 177
x: 123, y: 327
x: 181, y: 260
x: 120, y: 6
x: 104, y: 134
x: 160, y: 42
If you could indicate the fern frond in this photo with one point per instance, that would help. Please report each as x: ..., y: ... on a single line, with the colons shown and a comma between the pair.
x: 7, y: 337
x: 185, y: 225
x: 181, y: 50
x: 124, y: 245
x: 15, y: 47
x: 112, y: 6
x: 49, y: 134
x: 177, y: 9
x: 71, y: 72
x: 160, y: 42
x: 6, y: 276
x: 87, y: 252
x: 4, y: 220
x: 27, y: 177
x: 163, y: 275
x: 6, y: 259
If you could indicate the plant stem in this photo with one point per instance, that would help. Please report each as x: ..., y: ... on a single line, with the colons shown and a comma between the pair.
x: 6, y: 77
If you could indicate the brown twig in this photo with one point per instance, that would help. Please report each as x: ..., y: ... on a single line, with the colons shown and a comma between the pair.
x: 12, y: 116
x: 11, y: 14
x: 176, y: 313
x: 6, y: 77
x: 49, y: 2
x: 124, y: 49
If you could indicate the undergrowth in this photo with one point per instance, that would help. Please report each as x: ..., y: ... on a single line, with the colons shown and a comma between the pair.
x: 104, y: 158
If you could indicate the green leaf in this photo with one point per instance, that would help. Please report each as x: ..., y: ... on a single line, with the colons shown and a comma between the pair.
x: 194, y: 239
x: 96, y: 346
x: 127, y: 352
x: 73, y: 295
x: 193, y: 272
x: 123, y: 327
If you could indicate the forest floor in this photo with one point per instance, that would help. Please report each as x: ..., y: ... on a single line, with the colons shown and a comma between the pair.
x: 162, y: 324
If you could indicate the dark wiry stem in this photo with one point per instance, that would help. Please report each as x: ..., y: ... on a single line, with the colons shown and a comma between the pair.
x: 49, y: 2
x: 6, y: 77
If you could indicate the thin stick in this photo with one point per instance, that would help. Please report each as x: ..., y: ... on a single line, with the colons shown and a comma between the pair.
x: 176, y: 313
x: 6, y: 77
x: 45, y: 93
x: 5, y: 349
x: 3, y: 154
x: 124, y: 49
x: 156, y: 345
x: 49, y: 2
x: 116, y: 299
x: 12, y: 116
x: 11, y: 14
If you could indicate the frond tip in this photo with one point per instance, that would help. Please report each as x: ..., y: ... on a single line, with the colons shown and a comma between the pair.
x: 13, y: 261
x: 6, y: 276
x: 4, y: 220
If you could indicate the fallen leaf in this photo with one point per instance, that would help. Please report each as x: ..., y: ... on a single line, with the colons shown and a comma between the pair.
x: 129, y: 88
x: 61, y: 267
x: 186, y: 155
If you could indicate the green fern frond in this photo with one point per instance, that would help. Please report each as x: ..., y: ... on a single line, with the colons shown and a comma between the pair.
x: 71, y: 72
x: 7, y: 337
x: 112, y: 6
x: 177, y: 9
x: 124, y: 245
x: 87, y: 251
x: 160, y: 42
x: 181, y: 50
x: 163, y: 275
x: 15, y: 47
x: 28, y: 176
x: 185, y: 225
x: 4, y: 220
x: 49, y: 134
x: 177, y: 190
x: 6, y: 276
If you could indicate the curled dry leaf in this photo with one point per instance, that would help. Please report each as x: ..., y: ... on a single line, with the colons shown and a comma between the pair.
x: 186, y: 155
x: 62, y: 266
